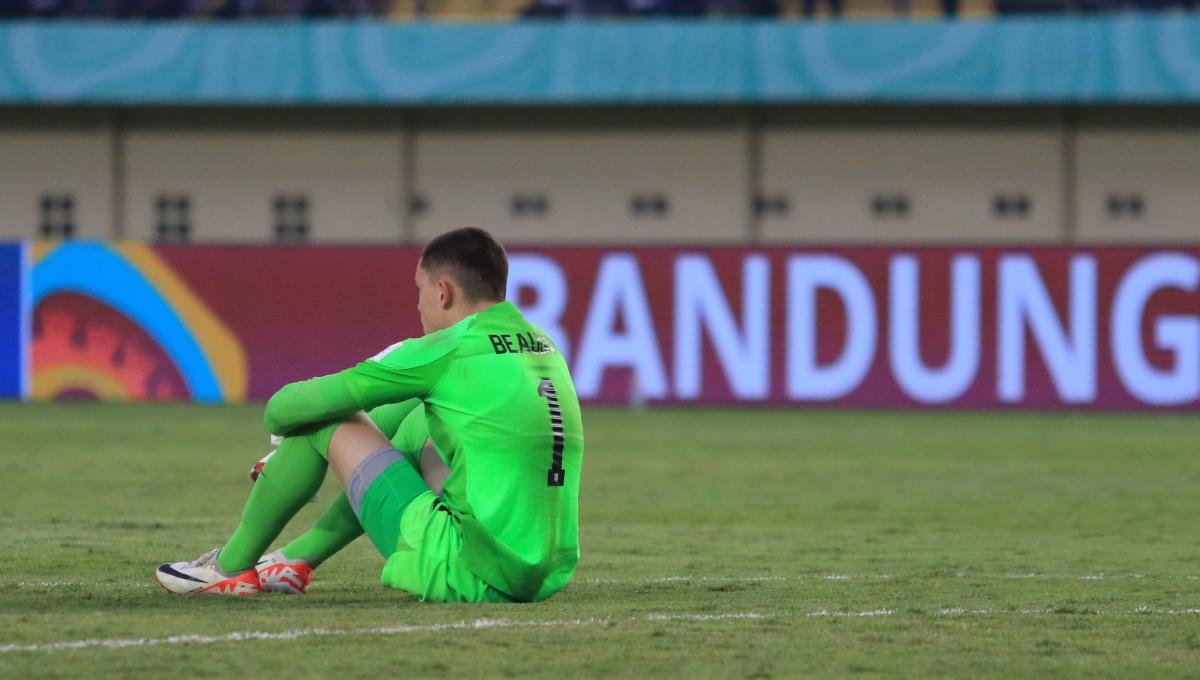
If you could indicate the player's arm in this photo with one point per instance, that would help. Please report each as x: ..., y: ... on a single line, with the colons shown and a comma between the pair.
x: 372, y: 383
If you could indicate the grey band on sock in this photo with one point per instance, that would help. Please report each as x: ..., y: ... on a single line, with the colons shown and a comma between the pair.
x: 367, y: 472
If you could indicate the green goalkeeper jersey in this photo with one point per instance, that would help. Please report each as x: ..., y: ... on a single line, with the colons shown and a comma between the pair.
x: 502, y: 411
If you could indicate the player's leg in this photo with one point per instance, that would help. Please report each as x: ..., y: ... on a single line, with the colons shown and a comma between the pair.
x: 287, y: 482
x: 433, y: 469
x: 358, y: 451
x: 289, y: 569
x: 339, y: 526
x: 358, y: 448
x: 412, y: 440
x: 425, y: 562
x: 407, y: 521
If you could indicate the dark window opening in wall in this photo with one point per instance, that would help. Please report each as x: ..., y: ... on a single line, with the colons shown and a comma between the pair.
x: 895, y: 206
x: 172, y: 218
x: 418, y: 205
x: 771, y: 205
x: 1016, y: 206
x: 56, y: 215
x: 529, y: 206
x: 1128, y: 205
x: 649, y: 206
x: 291, y: 218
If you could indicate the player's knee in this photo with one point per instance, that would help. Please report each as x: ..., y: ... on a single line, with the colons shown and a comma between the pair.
x: 353, y: 440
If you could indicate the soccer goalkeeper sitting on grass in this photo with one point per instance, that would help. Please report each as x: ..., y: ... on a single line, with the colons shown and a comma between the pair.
x: 489, y: 513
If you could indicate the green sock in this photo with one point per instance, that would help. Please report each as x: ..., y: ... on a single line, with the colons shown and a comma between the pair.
x: 286, y: 484
x: 334, y: 531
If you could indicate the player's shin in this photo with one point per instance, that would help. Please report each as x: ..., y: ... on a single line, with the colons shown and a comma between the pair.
x: 287, y: 482
x: 336, y: 529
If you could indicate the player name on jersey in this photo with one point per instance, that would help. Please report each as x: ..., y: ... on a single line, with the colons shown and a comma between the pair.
x: 524, y: 342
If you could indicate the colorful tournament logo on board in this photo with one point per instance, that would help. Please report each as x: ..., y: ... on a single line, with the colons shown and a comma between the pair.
x: 116, y: 322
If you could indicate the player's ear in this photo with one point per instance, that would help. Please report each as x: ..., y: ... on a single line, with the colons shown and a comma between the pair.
x: 447, y: 294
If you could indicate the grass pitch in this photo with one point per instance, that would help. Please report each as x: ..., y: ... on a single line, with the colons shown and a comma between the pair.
x: 715, y: 544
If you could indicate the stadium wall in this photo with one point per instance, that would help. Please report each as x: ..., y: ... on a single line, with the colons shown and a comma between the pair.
x: 963, y: 327
x: 966, y: 175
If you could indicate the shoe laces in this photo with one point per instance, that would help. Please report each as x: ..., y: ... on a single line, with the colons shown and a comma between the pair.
x: 207, y: 558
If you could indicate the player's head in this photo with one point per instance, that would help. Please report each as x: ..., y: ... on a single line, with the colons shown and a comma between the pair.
x: 460, y: 272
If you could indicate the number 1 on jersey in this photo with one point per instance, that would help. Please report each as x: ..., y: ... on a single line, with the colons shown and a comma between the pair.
x: 546, y: 389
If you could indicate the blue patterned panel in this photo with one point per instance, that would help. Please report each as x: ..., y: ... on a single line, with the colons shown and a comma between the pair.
x: 1147, y: 58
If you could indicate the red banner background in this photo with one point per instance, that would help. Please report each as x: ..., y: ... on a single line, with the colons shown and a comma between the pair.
x: 301, y: 312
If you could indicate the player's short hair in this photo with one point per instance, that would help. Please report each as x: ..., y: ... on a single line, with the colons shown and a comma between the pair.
x: 474, y: 258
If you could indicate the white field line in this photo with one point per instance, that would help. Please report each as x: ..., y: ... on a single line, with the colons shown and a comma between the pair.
x: 855, y: 615
x: 246, y: 636
x: 478, y: 624
x: 706, y: 617
x: 1145, y: 609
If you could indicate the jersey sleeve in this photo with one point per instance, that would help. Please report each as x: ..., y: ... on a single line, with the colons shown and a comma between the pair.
x: 403, y: 371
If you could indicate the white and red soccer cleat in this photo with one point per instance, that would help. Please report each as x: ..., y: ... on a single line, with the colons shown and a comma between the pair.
x: 204, y: 575
x: 278, y: 574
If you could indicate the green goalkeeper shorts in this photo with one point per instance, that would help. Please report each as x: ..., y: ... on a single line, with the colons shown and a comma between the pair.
x: 427, y: 540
